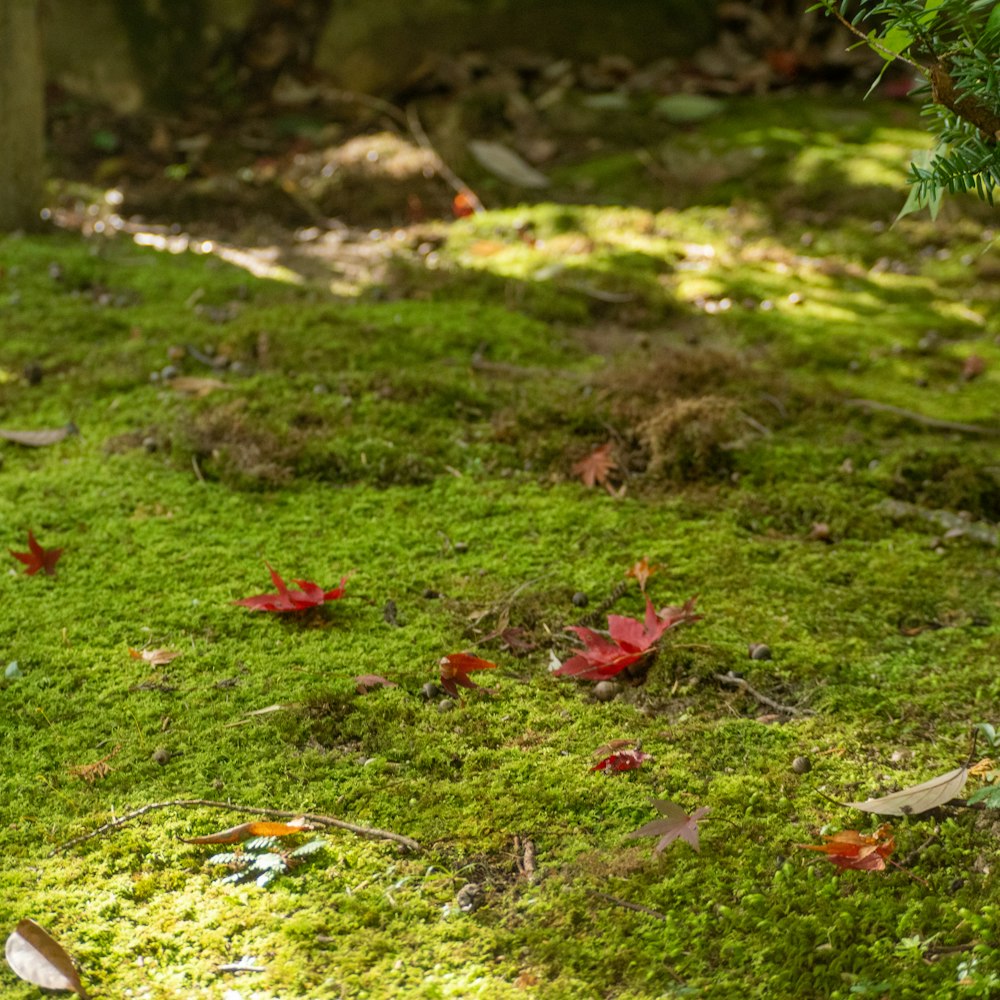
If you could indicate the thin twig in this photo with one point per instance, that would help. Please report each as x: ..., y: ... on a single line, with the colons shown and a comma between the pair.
x: 920, y: 418
x: 874, y: 43
x: 447, y: 174
x: 637, y: 907
x: 731, y: 680
x: 915, y: 853
x: 362, y: 831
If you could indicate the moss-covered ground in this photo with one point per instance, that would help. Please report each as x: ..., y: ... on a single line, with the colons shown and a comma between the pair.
x: 423, y: 435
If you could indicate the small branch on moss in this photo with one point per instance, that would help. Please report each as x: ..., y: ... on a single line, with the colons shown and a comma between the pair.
x: 637, y: 907
x: 362, y: 831
x: 915, y: 853
x: 920, y: 418
x: 731, y: 680
x: 525, y: 857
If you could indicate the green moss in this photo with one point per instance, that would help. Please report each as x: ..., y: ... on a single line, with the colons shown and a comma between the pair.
x: 428, y: 444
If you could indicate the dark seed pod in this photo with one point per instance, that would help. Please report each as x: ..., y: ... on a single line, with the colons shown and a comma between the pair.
x: 759, y: 651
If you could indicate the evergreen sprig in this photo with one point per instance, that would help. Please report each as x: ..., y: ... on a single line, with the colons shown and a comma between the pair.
x: 955, y: 44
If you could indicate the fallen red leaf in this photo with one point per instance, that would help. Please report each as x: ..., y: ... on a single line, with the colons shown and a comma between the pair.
x: 37, y: 558
x: 676, y: 823
x: 312, y: 595
x: 630, y: 641
x: 622, y: 760
x: 850, y: 849
x: 593, y: 469
x: 455, y: 670
x: 465, y: 203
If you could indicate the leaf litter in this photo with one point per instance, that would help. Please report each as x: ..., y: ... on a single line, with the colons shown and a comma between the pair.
x: 37, y: 958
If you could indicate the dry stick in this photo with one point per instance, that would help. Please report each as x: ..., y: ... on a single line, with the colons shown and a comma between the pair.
x: 920, y: 418
x: 637, y: 907
x: 447, y: 174
x: 731, y: 680
x: 361, y: 831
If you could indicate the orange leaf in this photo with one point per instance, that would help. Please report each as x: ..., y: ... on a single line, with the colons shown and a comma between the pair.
x: 642, y: 571
x: 594, y: 468
x: 257, y: 829
x: 850, y: 849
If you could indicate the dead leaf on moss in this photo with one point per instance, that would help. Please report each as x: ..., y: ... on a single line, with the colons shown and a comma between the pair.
x: 917, y: 799
x: 197, y: 386
x: 37, y: 958
x: 263, y: 828
x: 157, y: 657
x: 92, y: 772
x: 39, y: 439
x: 593, y: 469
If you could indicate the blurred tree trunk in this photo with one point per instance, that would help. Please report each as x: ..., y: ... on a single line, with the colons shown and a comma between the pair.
x: 22, y: 115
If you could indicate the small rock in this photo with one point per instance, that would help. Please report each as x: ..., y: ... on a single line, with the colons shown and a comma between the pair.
x: 430, y: 691
x: 759, y: 651
x: 470, y: 897
x: 461, y: 547
x: 605, y: 690
x: 801, y: 765
x: 446, y: 705
x: 161, y: 755
x: 168, y: 372
x: 580, y: 599
x: 149, y: 443
x: 431, y: 595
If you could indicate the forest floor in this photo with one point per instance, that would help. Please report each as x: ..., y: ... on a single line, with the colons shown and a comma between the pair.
x: 794, y: 410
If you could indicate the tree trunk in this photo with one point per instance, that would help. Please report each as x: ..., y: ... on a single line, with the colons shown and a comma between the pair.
x: 22, y: 115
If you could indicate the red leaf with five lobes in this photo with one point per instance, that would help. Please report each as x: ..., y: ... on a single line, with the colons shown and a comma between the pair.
x: 455, y: 670
x: 39, y: 959
x: 623, y: 760
x: 675, y: 824
x: 259, y: 829
x: 37, y: 558
x: 918, y: 798
x: 630, y: 641
x: 850, y: 849
x: 312, y: 595
x: 593, y: 469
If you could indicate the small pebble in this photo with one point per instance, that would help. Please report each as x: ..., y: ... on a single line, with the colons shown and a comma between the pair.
x: 161, y: 755
x: 580, y: 599
x: 168, y: 372
x: 430, y: 691
x: 605, y: 690
x: 801, y: 765
x: 149, y: 443
x: 759, y: 651
x: 446, y: 705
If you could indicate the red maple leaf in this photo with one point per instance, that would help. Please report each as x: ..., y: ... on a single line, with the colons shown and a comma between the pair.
x: 622, y: 760
x: 593, y: 469
x: 37, y: 558
x: 312, y: 595
x: 675, y: 823
x: 455, y: 670
x: 631, y: 641
x: 850, y: 849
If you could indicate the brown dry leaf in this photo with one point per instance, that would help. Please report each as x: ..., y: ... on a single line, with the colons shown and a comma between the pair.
x: 157, y: 657
x: 257, y: 829
x: 368, y: 682
x: 91, y: 772
x: 39, y: 439
x: 37, y: 958
x: 973, y: 367
x: 593, y: 469
x: 642, y: 571
x: 918, y: 798
x: 197, y: 386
